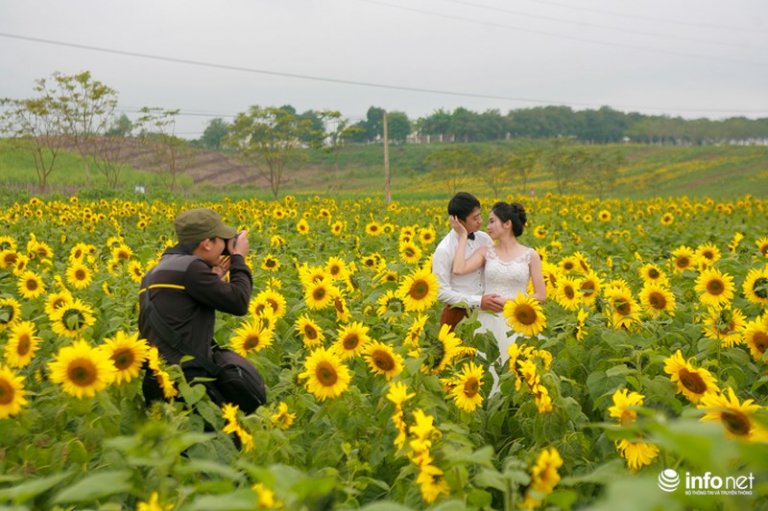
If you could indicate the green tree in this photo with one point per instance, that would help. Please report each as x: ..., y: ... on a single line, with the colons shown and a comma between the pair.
x: 122, y: 127
x: 214, y: 134
x: 399, y: 126
x: 525, y: 163
x: 271, y: 139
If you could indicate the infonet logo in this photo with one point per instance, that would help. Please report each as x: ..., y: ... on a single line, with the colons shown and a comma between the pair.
x: 707, y: 484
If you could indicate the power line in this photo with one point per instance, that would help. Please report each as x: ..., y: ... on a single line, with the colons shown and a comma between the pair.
x: 559, y: 36
x: 342, y: 81
x: 595, y: 25
x: 650, y: 18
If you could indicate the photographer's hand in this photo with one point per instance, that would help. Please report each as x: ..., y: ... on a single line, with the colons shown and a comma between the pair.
x: 239, y: 244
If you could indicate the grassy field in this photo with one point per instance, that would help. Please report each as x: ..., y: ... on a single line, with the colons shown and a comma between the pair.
x: 714, y: 171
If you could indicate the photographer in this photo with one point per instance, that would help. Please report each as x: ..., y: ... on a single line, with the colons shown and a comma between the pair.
x: 178, y: 301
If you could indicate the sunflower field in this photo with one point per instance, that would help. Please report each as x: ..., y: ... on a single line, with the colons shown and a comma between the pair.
x: 640, y: 383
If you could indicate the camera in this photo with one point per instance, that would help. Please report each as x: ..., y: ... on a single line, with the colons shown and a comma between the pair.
x: 234, y: 244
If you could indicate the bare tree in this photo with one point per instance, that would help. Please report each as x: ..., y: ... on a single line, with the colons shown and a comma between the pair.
x: 157, y: 127
x: 34, y: 125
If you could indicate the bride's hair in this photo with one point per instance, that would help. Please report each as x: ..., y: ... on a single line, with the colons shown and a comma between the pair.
x: 514, y: 212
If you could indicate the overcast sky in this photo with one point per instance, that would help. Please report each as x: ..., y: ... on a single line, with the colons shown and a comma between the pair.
x: 694, y: 58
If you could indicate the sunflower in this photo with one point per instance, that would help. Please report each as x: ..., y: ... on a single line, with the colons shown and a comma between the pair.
x: 418, y: 290
x: 755, y: 286
x: 302, y: 227
x: 276, y: 241
x: 691, y: 382
x: 229, y: 412
x: 589, y: 287
x: 352, y: 340
x: 540, y: 232
x: 581, y: 322
x: 725, y: 326
x: 283, y: 418
x: 667, y: 219
x: 311, y: 333
x: 410, y: 253
x: 121, y: 252
x: 343, y: 313
x: 383, y: 360
x: 135, y: 271
x: 604, y: 215
x: 683, y: 258
x: 391, y: 306
x: 22, y: 344
x: 79, y: 275
x: 309, y: 275
x: 72, y: 318
x: 337, y: 228
x: 427, y: 236
x: 735, y: 416
x: 637, y: 453
x: 127, y: 353
x: 652, y: 274
x: 269, y: 299
x: 20, y: 265
x: 82, y: 370
x: 656, y: 300
x: 552, y: 276
x: 569, y: 264
x: 56, y: 300
x: 466, y: 387
x: 30, y: 285
x: 544, y: 478
x: 373, y: 228
x: 450, y: 347
x: 624, y: 308
x: 11, y: 393
x: 10, y: 312
x: 525, y: 316
x: 326, y: 375
x: 762, y: 245
x: 270, y: 263
x: 7, y: 243
x: 756, y: 337
x: 163, y: 378
x: 567, y: 293
x: 706, y: 255
x: 336, y: 268
x: 319, y: 294
x: 251, y: 336
x: 386, y: 277
x: 8, y: 258
x: 624, y: 402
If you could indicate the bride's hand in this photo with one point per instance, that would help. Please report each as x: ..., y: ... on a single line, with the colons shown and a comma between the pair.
x: 458, y: 226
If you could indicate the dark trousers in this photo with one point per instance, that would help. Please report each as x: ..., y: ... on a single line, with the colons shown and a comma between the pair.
x: 452, y: 315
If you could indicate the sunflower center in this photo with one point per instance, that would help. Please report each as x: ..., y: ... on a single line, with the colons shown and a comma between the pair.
x: 419, y: 290
x: 73, y: 319
x: 31, y: 285
x: 123, y: 358
x: 569, y: 292
x: 683, y: 262
x: 82, y: 372
x: 622, y: 306
x: 760, y: 287
x: 319, y: 293
x: 736, y: 422
x: 6, y: 392
x: 471, y: 387
x: 383, y: 360
x: 338, y: 303
x: 351, y: 341
x: 334, y: 270
x: 657, y: 301
x: 80, y: 274
x: 692, y: 381
x: 310, y: 332
x: 708, y: 254
x: 588, y: 288
x: 251, y: 342
x: 760, y: 340
x: 525, y: 314
x: 270, y: 263
x: 23, y: 346
x: 715, y: 287
x: 653, y: 273
x: 326, y: 374
x: 568, y: 266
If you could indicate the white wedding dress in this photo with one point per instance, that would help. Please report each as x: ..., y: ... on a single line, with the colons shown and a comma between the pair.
x: 507, y: 279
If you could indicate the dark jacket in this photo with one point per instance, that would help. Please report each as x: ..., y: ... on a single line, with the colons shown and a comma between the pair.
x: 186, y: 294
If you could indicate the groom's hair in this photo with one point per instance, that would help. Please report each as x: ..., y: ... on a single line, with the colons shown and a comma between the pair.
x: 462, y: 204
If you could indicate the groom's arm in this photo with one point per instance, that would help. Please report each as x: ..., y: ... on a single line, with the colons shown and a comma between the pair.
x: 442, y: 264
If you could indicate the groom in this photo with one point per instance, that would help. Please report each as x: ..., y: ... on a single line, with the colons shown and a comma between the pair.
x: 461, y: 293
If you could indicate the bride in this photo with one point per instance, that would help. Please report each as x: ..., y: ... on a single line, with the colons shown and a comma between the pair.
x: 509, y: 266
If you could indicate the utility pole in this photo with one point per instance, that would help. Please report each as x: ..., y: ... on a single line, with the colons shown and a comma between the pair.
x: 387, y: 193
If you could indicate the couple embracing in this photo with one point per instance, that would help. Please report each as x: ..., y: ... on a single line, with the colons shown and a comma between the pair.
x: 479, y: 270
